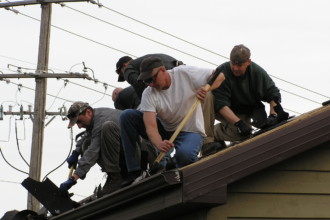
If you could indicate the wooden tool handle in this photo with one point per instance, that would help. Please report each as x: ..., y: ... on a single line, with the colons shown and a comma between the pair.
x: 70, y: 172
x: 182, y: 123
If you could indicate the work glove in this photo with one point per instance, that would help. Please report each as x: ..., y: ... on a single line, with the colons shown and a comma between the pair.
x: 65, y: 186
x: 281, y: 114
x: 271, y: 120
x: 243, y: 128
x: 73, y: 159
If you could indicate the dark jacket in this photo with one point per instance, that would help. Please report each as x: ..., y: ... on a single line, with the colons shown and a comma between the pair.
x: 132, y: 70
x: 244, y: 94
x: 92, y: 153
x: 127, y: 99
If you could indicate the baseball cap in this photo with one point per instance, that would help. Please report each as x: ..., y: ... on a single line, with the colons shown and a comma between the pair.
x: 147, y: 65
x: 119, y: 65
x: 75, y: 110
x: 240, y: 54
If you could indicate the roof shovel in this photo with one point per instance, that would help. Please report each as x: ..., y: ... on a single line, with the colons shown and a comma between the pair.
x: 48, y: 194
x: 156, y: 166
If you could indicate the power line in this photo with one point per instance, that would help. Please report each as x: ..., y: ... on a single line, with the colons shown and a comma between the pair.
x: 18, y: 84
x: 155, y: 41
x: 164, y: 44
x: 157, y: 29
x: 301, y: 87
x: 4, y: 158
x: 7, y: 181
x: 77, y: 84
x: 70, y: 32
x: 71, y: 146
x: 301, y: 96
x: 293, y: 111
x: 12, y: 58
x: 164, y: 32
x: 105, y: 94
x: 105, y: 85
x: 18, y: 147
x: 63, y: 99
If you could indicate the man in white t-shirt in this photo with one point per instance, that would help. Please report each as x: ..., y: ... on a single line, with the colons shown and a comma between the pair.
x: 164, y: 104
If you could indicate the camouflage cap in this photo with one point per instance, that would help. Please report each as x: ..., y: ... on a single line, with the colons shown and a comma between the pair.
x: 74, y: 111
x: 240, y: 54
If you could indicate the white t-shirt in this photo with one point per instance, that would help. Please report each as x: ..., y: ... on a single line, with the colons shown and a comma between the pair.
x: 173, y: 104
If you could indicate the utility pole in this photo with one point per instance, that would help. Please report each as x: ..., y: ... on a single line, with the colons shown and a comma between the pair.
x: 40, y: 91
x: 40, y: 102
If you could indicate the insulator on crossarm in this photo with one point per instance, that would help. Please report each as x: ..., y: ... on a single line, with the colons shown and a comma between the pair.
x: 21, y: 112
x: 1, y: 112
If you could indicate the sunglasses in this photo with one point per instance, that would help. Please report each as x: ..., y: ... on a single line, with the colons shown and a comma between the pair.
x: 151, y: 79
x: 80, y: 120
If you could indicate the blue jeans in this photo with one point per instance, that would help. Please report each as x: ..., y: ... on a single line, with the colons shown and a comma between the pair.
x: 187, y: 144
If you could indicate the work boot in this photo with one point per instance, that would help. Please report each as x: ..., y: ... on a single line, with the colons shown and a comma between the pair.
x: 233, y: 143
x: 212, y: 147
x: 131, y: 177
x: 171, y: 163
x: 113, y: 183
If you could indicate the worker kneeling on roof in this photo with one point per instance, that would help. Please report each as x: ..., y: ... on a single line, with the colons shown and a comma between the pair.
x: 165, y: 102
x: 239, y: 99
x: 99, y: 144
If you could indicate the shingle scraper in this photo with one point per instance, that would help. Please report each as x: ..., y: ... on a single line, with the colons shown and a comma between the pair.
x: 48, y: 194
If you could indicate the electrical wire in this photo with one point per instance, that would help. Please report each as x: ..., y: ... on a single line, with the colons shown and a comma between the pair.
x: 19, y: 86
x: 47, y: 93
x: 176, y: 38
x: 133, y: 55
x: 139, y: 35
x: 7, y: 181
x: 8, y: 133
x: 71, y: 146
x: 105, y: 90
x: 188, y: 42
x: 301, y: 97
x: 292, y: 111
x: 20, y: 139
x: 77, y: 35
x: 12, y: 58
x: 51, y: 105
x: 3, y: 156
x: 159, y: 30
x: 67, y: 81
x: 105, y: 94
x: 90, y: 88
x: 18, y: 146
x: 301, y: 87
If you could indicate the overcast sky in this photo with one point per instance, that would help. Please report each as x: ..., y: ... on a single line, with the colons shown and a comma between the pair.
x: 289, y: 39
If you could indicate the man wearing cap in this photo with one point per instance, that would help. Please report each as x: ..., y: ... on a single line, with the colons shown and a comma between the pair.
x: 99, y: 144
x: 239, y: 99
x: 129, y: 69
x: 165, y: 102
